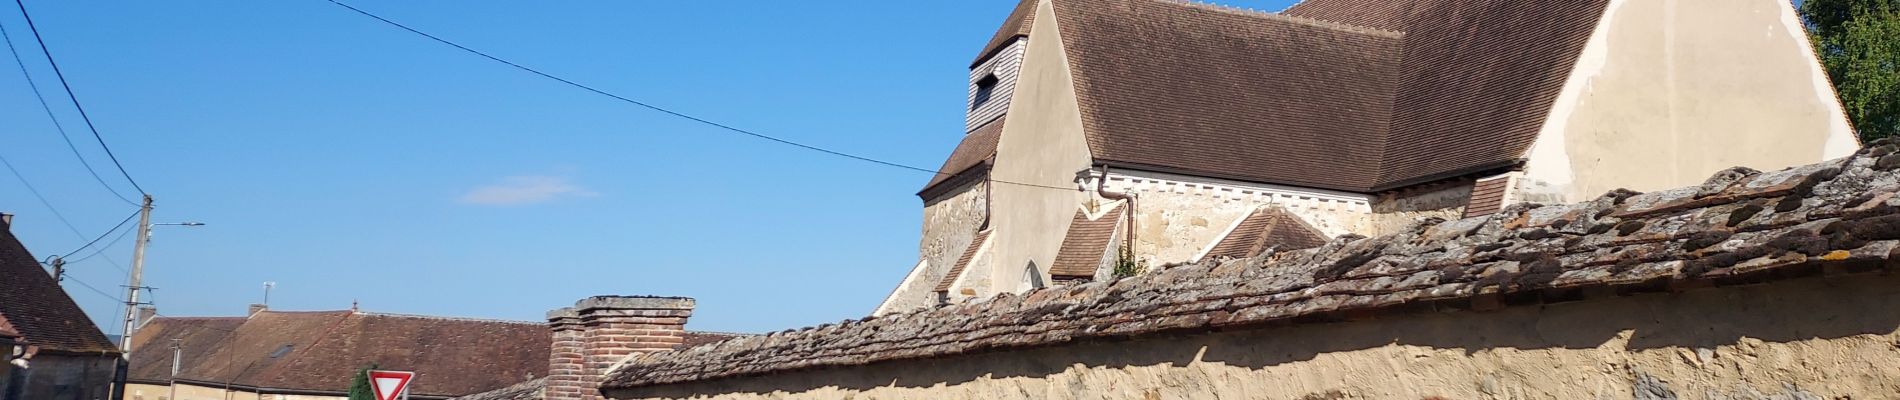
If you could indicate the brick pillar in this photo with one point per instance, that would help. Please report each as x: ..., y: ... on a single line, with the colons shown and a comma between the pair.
x: 618, y: 326
x: 566, y: 362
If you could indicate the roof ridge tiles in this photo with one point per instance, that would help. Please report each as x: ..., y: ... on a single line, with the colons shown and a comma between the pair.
x: 437, y: 317
x: 1289, y: 18
x: 1741, y: 226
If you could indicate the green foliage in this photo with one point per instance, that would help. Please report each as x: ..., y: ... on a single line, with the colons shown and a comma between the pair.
x: 359, y: 386
x: 1858, y: 42
x: 1126, y: 265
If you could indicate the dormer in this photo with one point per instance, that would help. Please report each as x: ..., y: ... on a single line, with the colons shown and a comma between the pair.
x: 991, y: 83
x: 993, y: 73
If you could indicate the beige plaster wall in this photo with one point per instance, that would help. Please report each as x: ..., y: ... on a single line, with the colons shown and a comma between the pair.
x: 139, y: 391
x: 1815, y: 338
x: 194, y: 392
x: 1667, y: 92
x: 950, y: 222
x: 1042, y: 145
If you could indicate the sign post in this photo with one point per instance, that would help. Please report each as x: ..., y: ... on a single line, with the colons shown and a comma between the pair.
x: 390, y: 385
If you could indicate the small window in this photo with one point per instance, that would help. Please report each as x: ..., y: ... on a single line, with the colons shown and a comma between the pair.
x: 281, y: 351
x: 984, y: 89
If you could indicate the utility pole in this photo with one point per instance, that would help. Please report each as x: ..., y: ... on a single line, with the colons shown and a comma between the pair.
x: 133, y: 282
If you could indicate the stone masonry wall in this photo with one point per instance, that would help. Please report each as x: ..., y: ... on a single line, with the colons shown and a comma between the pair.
x: 1815, y: 338
x: 950, y: 222
x: 1394, y: 211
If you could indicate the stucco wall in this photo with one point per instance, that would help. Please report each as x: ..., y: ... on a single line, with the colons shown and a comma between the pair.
x: 61, y: 376
x: 950, y: 221
x: 1041, y: 145
x: 1668, y: 91
x: 1815, y: 338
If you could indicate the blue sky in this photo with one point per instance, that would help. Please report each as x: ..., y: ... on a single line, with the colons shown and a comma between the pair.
x: 349, y: 161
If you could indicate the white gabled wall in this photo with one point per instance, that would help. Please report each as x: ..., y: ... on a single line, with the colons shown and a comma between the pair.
x: 1667, y: 92
x: 1042, y: 145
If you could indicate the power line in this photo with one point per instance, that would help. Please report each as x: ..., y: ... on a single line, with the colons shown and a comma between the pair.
x: 50, y: 116
x: 102, y: 249
x: 115, y: 228
x: 663, y: 109
x: 61, y: 216
x: 75, y: 98
x: 88, y: 286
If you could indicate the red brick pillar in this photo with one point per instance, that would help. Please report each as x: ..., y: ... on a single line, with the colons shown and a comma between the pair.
x: 618, y: 326
x: 566, y: 361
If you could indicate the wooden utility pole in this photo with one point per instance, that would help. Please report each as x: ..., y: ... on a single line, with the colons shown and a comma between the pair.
x: 133, y: 282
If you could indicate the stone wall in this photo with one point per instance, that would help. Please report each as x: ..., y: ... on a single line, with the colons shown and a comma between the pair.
x: 1815, y: 338
x: 64, y: 376
x: 950, y: 222
x: 1394, y: 211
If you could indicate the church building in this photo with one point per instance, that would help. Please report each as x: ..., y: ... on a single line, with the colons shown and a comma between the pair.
x: 1110, y: 137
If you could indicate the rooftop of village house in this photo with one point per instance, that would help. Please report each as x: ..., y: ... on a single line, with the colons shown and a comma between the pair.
x: 1739, y: 227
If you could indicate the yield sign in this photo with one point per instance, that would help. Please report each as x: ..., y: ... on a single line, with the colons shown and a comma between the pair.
x: 390, y: 385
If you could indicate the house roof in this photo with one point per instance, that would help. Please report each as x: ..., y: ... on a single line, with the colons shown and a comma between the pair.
x: 1087, y: 243
x: 38, y: 309
x: 319, y: 351
x: 977, y: 149
x: 531, y: 389
x: 197, y: 339
x: 1268, y: 227
x: 1355, y: 95
x: 963, y: 262
x: 1016, y: 25
x: 1739, y: 227
x: 1487, y: 196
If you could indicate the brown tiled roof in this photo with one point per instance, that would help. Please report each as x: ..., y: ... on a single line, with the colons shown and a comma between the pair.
x: 1230, y: 93
x: 1487, y: 196
x: 1478, y: 79
x: 963, y: 261
x: 319, y: 351
x: 1739, y: 227
x: 1015, y: 25
x: 971, y: 157
x: 1356, y: 95
x: 38, y: 308
x: 198, y: 338
x: 531, y: 389
x: 1086, y: 243
x: 1266, y: 228
x: 6, y: 329
x: 1393, y: 15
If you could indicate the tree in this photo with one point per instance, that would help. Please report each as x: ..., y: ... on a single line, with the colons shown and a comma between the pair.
x: 1858, y: 42
x: 359, y: 386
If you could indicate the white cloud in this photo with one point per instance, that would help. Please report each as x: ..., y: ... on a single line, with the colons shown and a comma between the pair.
x: 525, y: 189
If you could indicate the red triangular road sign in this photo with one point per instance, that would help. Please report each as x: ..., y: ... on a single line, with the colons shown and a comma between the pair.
x: 389, y: 385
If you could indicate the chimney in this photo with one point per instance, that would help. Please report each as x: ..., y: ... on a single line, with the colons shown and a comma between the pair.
x: 256, y: 308
x: 600, y: 331
x: 6, y: 221
x: 146, y: 313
